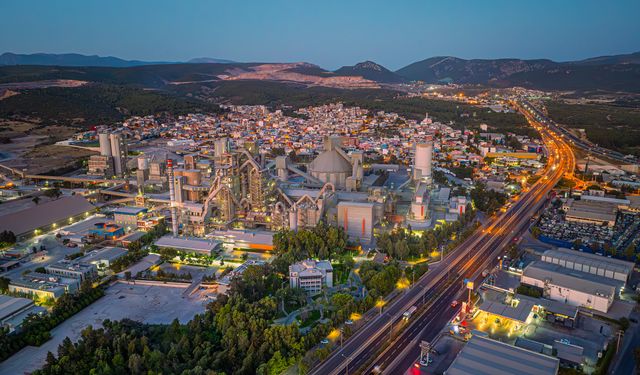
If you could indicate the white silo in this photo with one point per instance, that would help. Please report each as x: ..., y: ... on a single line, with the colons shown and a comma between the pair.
x: 422, y: 161
x: 105, y: 144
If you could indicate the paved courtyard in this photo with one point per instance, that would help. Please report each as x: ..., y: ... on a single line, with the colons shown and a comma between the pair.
x: 149, y: 304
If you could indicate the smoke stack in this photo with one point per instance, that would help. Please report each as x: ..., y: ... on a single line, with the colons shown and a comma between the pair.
x: 172, y: 198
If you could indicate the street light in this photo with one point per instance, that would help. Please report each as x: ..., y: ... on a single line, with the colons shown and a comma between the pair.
x: 348, y: 358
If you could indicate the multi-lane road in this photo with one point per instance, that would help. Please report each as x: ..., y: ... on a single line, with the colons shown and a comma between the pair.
x: 370, y: 347
x: 578, y: 142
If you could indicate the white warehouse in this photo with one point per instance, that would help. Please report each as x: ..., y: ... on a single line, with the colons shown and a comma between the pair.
x: 574, y: 288
x: 590, y: 263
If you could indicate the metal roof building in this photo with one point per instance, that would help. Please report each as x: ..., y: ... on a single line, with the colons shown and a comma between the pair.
x: 24, y: 223
x: 519, y: 310
x: 484, y: 356
x: 590, y: 263
x: 575, y: 288
x: 188, y: 244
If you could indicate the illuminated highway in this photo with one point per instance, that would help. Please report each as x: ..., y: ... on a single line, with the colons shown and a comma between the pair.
x: 369, y: 347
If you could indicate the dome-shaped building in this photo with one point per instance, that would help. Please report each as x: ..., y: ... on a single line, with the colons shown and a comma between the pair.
x: 332, y: 165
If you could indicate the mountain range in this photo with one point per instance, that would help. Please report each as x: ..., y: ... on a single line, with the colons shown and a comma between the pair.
x: 607, y: 73
x: 75, y: 59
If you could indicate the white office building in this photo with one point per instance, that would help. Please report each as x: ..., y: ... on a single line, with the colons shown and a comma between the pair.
x: 311, y: 275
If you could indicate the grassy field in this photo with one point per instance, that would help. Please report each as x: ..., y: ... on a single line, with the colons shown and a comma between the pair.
x: 617, y: 128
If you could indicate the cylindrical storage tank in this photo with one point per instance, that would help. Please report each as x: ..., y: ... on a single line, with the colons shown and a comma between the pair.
x: 422, y: 161
x: 105, y: 144
x: 143, y: 163
x: 193, y: 176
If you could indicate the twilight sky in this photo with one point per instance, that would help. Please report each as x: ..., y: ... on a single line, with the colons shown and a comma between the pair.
x: 330, y: 33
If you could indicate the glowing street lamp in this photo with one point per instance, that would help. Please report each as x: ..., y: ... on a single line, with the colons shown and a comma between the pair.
x: 380, y: 304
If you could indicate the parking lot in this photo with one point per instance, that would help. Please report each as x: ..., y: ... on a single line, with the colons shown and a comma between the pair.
x: 148, y: 304
x: 552, y: 224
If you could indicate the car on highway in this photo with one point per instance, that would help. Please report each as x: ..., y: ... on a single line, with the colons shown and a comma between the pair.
x: 455, y: 304
x: 407, y: 314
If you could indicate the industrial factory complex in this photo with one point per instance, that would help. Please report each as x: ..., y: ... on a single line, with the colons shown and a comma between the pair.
x: 334, y: 214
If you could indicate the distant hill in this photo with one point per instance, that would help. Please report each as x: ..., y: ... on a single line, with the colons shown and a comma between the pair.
x: 70, y: 59
x: 611, y: 73
x: 631, y: 58
x: 76, y: 59
x: 452, y: 69
x: 372, y: 71
x: 209, y: 60
x: 620, y: 73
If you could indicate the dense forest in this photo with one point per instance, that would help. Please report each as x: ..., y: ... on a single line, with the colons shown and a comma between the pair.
x: 96, y: 104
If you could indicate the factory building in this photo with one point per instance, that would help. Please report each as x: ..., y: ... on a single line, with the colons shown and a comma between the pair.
x: 43, y: 285
x: 14, y: 310
x: 422, y: 162
x: 311, y: 275
x: 420, y: 203
x: 46, y: 216
x: 610, y: 268
x: 575, y: 288
x: 73, y: 269
x: 334, y: 166
x: 112, y: 160
x: 128, y: 216
x: 103, y: 258
x: 357, y: 220
x: 100, y: 165
x: 590, y: 212
x: 189, y: 245
x: 119, y: 153
x: 484, y: 356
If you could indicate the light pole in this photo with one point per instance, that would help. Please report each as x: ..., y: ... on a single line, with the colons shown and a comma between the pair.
x: 341, y: 336
x: 348, y: 358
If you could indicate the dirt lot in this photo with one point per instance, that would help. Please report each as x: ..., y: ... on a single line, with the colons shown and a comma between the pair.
x: 31, y: 146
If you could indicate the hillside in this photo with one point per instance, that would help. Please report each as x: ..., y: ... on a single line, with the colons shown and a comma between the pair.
x: 609, y: 73
x: 452, y: 69
x: 631, y: 58
x: 371, y: 71
x: 96, y: 104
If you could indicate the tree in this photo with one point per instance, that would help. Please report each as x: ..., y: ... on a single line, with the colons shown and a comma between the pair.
x: 513, y: 251
x: 577, y: 243
x: 4, y: 284
x: 7, y: 237
x: 54, y: 193
x: 535, y: 231
x: 630, y: 251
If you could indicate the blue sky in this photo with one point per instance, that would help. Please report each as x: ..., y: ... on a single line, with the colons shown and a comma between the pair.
x: 329, y: 33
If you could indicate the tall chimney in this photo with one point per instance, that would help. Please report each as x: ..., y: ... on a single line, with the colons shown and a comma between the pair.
x: 172, y: 198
